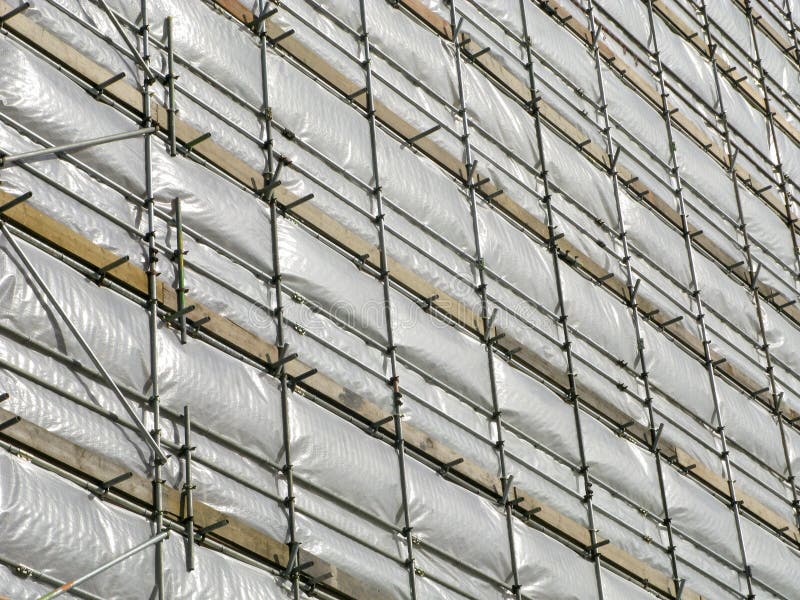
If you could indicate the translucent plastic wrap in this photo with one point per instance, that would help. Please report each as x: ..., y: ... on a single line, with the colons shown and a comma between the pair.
x: 347, y: 481
x: 115, y: 329
x: 64, y: 115
x: 63, y: 532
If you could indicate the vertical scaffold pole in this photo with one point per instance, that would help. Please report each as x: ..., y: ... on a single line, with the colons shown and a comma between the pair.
x: 695, y: 294
x: 486, y: 318
x: 178, y: 255
x: 172, y: 145
x: 152, y: 300
x: 722, y: 119
x: 269, y: 174
x: 612, y: 150
x: 574, y: 398
x: 188, y: 488
x: 391, y: 351
x: 171, y: 77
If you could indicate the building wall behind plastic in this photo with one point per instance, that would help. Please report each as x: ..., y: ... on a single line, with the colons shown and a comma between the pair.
x: 704, y: 356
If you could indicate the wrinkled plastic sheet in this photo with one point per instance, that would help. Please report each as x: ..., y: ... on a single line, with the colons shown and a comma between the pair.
x: 223, y: 496
x: 638, y: 117
x: 51, y: 112
x: 391, y: 160
x: 779, y: 67
x: 321, y: 286
x: 59, y: 529
x: 731, y: 20
x: 765, y: 486
x: 330, y: 292
x: 322, y: 450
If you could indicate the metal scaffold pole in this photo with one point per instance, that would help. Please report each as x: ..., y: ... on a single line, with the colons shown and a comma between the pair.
x: 152, y: 298
x: 156, y: 539
x: 178, y: 253
x: 28, y: 572
x: 613, y: 150
x: 695, y: 296
x: 16, y: 159
x: 489, y: 339
x: 172, y: 111
x: 633, y: 286
x: 178, y: 256
x: 573, y: 396
x: 270, y: 182
x: 187, y: 496
x: 391, y: 350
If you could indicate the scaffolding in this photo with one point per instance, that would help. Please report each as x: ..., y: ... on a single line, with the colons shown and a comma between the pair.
x: 399, y: 300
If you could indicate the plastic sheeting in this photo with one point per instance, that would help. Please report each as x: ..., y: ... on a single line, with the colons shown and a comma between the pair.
x: 333, y: 466
x: 439, y: 358
x: 62, y: 531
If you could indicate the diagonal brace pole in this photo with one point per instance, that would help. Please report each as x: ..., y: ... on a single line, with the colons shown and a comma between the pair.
x: 49, y: 294
x: 131, y: 47
x: 6, y: 161
x: 104, y: 567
